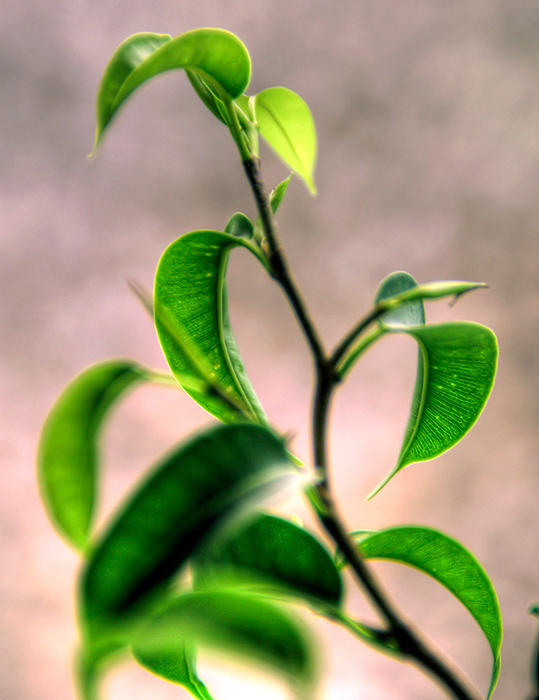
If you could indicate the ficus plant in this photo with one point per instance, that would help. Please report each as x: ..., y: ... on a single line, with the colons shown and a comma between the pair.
x: 191, y: 559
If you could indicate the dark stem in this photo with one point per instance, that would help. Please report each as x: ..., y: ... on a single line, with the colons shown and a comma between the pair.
x: 327, y: 380
x: 276, y: 257
x: 356, y: 331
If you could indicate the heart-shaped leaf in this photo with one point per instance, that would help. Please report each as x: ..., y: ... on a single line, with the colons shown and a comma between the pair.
x: 449, y: 563
x: 247, y: 625
x: 187, y: 495
x: 190, y: 288
x: 217, y: 56
x: 270, y: 552
x: 458, y: 369
x: 286, y: 123
x: 68, y: 454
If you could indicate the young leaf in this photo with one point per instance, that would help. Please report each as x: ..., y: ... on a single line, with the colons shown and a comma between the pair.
x: 286, y: 123
x: 459, y: 362
x: 170, y: 657
x: 271, y: 552
x: 188, y: 494
x: 438, y: 290
x: 409, y: 314
x: 215, y: 55
x: 247, y: 625
x: 276, y: 197
x: 68, y: 446
x: 277, y: 194
x: 239, y: 225
x: 189, y: 286
x: 452, y: 565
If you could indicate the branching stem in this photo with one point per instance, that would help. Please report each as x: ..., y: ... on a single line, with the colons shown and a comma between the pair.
x: 409, y: 645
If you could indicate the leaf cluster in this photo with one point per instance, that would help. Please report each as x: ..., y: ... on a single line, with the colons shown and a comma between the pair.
x: 191, y: 559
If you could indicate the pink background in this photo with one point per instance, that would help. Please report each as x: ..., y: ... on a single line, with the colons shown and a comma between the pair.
x: 428, y: 122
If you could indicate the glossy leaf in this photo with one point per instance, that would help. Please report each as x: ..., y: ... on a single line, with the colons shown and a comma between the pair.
x: 170, y: 657
x: 68, y: 454
x: 270, y: 552
x: 244, y: 624
x: 189, y: 286
x: 459, y: 363
x: 449, y: 563
x: 409, y: 314
x: 215, y: 55
x: 286, y: 123
x: 187, y: 495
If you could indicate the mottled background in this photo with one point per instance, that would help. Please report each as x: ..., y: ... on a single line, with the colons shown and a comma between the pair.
x: 428, y: 122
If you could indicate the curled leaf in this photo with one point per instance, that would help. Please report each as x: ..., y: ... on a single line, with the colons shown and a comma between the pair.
x: 216, y: 56
x: 457, y: 371
x: 68, y: 454
x: 451, y: 564
x: 190, y: 289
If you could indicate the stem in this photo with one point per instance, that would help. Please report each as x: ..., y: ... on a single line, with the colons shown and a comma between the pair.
x: 327, y: 379
x: 357, y: 330
x: 279, y: 268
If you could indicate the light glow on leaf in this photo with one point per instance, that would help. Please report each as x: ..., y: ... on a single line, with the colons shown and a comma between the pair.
x: 286, y: 123
x: 451, y: 564
x: 190, y: 287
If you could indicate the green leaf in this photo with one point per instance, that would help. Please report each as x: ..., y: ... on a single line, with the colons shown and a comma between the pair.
x: 408, y: 314
x: 190, y: 288
x: 459, y: 361
x: 286, y: 123
x: 188, y: 494
x: 244, y: 624
x: 270, y: 552
x: 398, y: 303
x: 452, y: 565
x: 170, y: 657
x: 208, y: 96
x: 68, y: 454
x: 438, y: 290
x: 277, y: 194
x: 215, y: 55
x: 276, y: 197
x: 239, y: 225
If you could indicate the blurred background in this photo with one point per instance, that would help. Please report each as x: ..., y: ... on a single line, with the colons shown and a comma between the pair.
x: 428, y: 123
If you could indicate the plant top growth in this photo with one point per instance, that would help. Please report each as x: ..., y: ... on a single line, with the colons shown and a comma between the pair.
x: 191, y: 559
